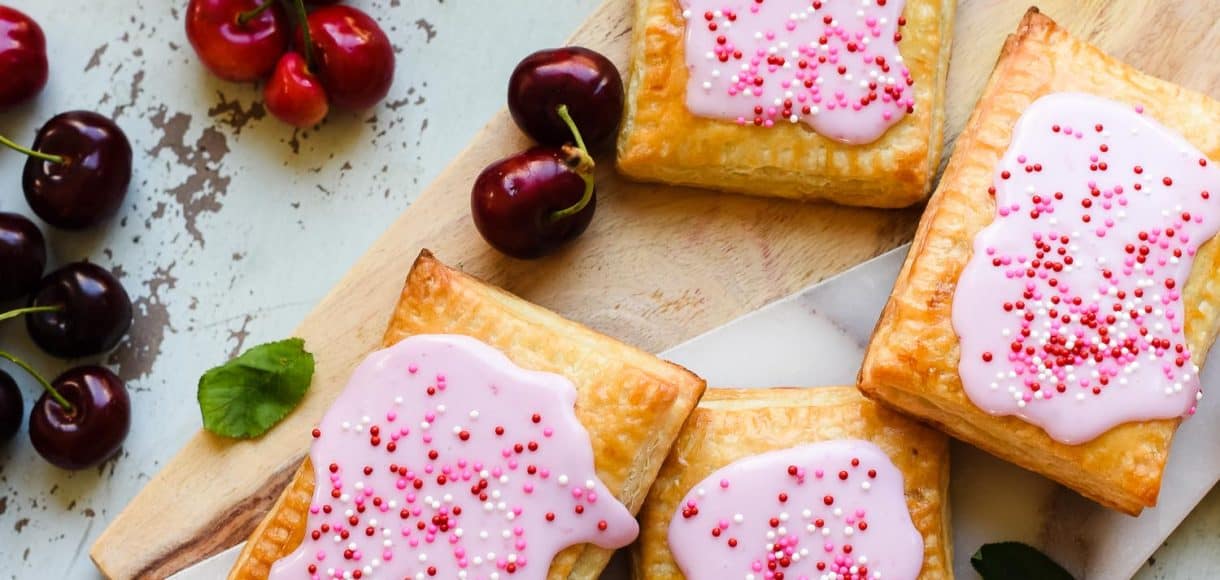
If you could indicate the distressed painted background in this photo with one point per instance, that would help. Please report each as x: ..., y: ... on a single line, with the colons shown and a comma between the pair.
x: 236, y: 225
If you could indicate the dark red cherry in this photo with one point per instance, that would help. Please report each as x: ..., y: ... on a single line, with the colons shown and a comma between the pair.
x: 516, y: 202
x: 23, y: 57
x: 293, y: 94
x: 23, y: 256
x: 12, y: 407
x: 352, y: 55
x: 94, y: 314
x: 235, y: 39
x: 92, y: 428
x: 86, y: 186
x: 585, y: 81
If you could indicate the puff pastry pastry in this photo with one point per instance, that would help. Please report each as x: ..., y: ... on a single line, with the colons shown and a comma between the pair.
x: 631, y: 403
x: 731, y: 424
x: 913, y: 359
x: 662, y: 140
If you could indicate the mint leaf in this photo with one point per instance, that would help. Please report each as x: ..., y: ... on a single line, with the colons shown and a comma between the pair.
x: 248, y: 395
x: 1015, y: 561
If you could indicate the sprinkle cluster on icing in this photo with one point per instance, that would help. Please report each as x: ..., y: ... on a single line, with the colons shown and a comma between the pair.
x: 1070, y: 311
x: 833, y: 511
x: 442, y: 459
x: 833, y: 64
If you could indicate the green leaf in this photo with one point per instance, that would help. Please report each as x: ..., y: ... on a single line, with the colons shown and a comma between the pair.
x: 1015, y: 561
x: 251, y: 393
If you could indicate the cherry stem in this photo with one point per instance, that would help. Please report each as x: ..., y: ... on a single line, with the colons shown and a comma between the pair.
x: 303, y: 22
x: 584, y: 168
x: 32, y: 153
x: 31, y: 310
x: 247, y: 16
x: 33, y: 373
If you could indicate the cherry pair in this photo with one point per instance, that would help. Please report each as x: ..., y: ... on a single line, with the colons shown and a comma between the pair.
x: 530, y: 204
x: 339, y: 54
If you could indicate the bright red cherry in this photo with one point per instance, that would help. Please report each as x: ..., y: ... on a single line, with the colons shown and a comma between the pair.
x: 91, y: 427
x: 23, y: 57
x: 585, y: 81
x: 293, y: 94
x: 352, y: 56
x: 238, y: 40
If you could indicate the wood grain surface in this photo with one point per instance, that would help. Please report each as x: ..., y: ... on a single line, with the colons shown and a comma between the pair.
x: 658, y: 265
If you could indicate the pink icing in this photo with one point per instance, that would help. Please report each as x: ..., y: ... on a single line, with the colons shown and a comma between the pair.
x: 833, y: 64
x: 442, y: 459
x: 835, y: 509
x: 1070, y: 311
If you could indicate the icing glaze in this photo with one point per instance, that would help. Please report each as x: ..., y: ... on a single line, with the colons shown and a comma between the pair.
x: 833, y: 64
x: 442, y: 459
x: 834, y: 510
x: 1069, y: 312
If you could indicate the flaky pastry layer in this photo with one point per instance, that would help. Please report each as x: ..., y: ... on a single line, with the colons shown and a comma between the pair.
x: 661, y: 140
x: 632, y: 403
x: 731, y: 424
x: 912, y: 359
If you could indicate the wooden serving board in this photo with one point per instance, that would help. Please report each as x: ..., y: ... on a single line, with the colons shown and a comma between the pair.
x: 659, y: 265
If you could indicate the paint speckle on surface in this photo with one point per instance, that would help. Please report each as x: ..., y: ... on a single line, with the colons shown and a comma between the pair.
x: 96, y: 59
x: 238, y: 336
x: 201, y: 190
x: 231, y: 114
x: 137, y: 354
x: 427, y: 27
x: 133, y: 93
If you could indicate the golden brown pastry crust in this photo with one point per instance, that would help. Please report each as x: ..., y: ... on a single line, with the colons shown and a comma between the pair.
x: 912, y: 360
x: 730, y: 424
x: 662, y: 141
x: 632, y: 403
